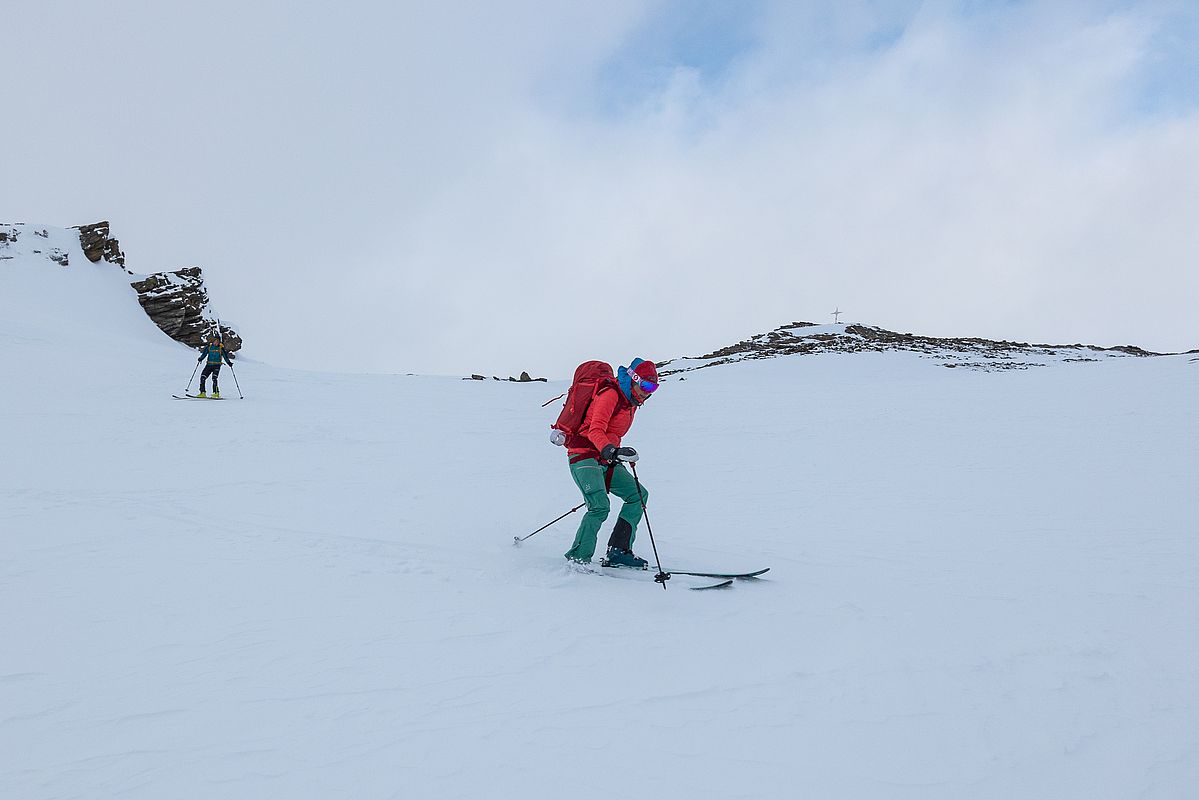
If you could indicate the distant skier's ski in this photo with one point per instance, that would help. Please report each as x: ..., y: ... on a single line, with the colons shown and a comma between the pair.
x: 194, y: 397
x: 729, y: 575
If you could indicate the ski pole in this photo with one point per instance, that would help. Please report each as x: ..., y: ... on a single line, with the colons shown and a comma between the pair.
x: 192, y: 378
x: 662, y: 577
x: 221, y: 336
x: 519, y: 539
x: 235, y: 383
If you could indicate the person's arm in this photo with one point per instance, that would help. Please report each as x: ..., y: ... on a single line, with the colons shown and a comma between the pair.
x: 599, y: 417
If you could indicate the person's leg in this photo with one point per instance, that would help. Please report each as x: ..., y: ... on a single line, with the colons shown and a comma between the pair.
x: 204, y: 377
x: 216, y: 375
x: 589, y: 477
x: 625, y: 487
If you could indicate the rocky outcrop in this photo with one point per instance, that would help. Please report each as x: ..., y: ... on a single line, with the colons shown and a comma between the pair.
x: 807, y: 338
x: 178, y: 303
x: 98, y: 244
x: 524, y: 378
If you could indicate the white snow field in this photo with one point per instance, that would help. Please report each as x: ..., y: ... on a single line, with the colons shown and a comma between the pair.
x: 982, y: 585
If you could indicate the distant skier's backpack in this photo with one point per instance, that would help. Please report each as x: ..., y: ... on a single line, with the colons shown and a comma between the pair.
x: 590, y: 377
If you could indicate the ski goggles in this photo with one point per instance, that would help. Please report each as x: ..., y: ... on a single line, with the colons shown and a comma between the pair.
x: 649, y: 387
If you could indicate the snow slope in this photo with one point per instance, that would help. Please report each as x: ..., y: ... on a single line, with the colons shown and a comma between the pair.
x: 982, y: 585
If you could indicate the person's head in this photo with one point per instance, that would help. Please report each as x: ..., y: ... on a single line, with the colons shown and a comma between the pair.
x: 644, y: 377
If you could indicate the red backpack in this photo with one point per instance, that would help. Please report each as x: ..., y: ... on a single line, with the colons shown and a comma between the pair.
x: 590, y: 377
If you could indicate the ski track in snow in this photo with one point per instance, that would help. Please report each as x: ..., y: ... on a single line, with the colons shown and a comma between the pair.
x: 982, y: 584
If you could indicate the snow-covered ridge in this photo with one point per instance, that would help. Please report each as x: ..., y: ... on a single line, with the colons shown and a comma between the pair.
x: 46, y: 243
x: 807, y: 338
x: 33, y: 244
x: 177, y: 301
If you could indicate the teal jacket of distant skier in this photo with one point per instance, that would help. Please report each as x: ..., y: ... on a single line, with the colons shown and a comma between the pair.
x: 215, y: 353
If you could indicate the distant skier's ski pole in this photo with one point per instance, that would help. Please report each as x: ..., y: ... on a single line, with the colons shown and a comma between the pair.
x: 662, y: 577
x: 192, y: 378
x: 235, y: 383
x: 519, y: 539
x: 240, y: 396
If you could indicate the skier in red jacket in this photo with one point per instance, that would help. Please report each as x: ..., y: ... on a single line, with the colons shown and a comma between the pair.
x: 597, y: 468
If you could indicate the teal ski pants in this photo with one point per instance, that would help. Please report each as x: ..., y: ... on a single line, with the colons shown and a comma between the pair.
x: 589, y: 476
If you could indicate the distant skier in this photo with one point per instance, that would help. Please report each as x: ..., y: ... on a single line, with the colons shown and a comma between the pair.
x: 595, y: 456
x: 215, y: 352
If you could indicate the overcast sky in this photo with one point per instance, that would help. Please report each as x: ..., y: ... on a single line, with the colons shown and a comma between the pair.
x: 459, y: 187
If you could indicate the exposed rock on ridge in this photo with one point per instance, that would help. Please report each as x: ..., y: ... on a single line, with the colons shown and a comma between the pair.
x: 807, y: 338
x: 178, y: 303
x: 97, y: 244
x: 524, y: 378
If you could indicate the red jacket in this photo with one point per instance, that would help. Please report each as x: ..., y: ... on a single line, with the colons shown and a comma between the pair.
x: 608, y: 418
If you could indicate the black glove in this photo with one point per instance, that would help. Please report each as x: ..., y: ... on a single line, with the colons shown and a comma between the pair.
x: 201, y: 358
x: 612, y: 453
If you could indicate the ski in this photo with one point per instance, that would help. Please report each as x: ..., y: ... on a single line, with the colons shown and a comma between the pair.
x: 721, y: 585
x: 641, y: 575
x: 729, y: 575
x: 194, y: 397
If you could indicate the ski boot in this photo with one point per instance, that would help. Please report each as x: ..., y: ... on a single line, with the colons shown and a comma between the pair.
x: 620, y: 548
x: 216, y: 395
x: 619, y: 557
x: 202, y: 394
